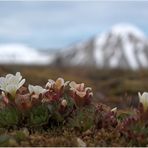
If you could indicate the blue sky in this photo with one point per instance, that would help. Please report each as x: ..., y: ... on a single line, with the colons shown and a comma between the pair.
x: 57, y: 24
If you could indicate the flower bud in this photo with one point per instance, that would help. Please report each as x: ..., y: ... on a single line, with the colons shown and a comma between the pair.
x: 64, y: 103
x: 144, y: 100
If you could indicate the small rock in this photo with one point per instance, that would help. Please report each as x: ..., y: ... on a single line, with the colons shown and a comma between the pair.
x: 81, y: 143
x: 26, y: 132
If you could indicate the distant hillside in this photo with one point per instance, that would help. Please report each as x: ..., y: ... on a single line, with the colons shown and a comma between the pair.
x: 123, y: 46
x: 21, y: 54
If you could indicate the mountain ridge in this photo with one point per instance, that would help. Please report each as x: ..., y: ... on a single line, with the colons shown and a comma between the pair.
x: 122, y: 46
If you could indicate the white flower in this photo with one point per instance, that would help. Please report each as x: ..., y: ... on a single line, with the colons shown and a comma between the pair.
x: 81, y: 143
x: 114, y: 110
x: 80, y: 89
x: 50, y: 83
x: 11, y: 83
x: 144, y: 99
x: 36, y: 89
x: 58, y: 84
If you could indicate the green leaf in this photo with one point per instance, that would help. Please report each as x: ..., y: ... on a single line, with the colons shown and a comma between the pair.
x: 9, y: 117
x: 83, y: 119
x: 38, y: 115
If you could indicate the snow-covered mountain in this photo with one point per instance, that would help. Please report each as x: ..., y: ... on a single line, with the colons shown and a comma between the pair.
x: 122, y: 46
x: 22, y: 54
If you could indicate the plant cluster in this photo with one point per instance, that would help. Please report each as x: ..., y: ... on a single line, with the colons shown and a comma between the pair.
x: 132, y: 125
x: 70, y: 105
x: 37, y: 106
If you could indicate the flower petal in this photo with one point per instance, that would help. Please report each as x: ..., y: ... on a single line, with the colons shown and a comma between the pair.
x: 59, y: 83
x: 11, y: 89
x: 21, y: 83
x: 30, y: 88
x: 73, y: 84
x: 81, y: 94
x: 9, y: 76
x: 88, y: 88
x: 114, y: 110
x: 36, y: 89
x: 66, y: 83
x: 48, y: 84
x: 3, y: 83
x: 51, y: 81
x: 81, y: 86
x: 18, y: 76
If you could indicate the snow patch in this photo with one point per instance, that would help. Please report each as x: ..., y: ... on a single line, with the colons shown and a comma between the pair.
x: 129, y: 52
x: 114, y: 61
x: 21, y: 54
x: 124, y: 29
x: 98, y: 52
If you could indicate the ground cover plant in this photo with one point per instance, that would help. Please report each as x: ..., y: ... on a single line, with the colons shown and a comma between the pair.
x: 49, y: 115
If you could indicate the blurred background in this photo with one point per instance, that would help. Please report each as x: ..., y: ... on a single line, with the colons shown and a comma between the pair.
x: 101, y: 43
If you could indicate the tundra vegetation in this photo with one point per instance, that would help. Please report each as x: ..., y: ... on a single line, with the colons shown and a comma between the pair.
x: 67, y: 113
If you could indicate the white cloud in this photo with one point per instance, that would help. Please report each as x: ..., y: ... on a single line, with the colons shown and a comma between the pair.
x: 48, y: 22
